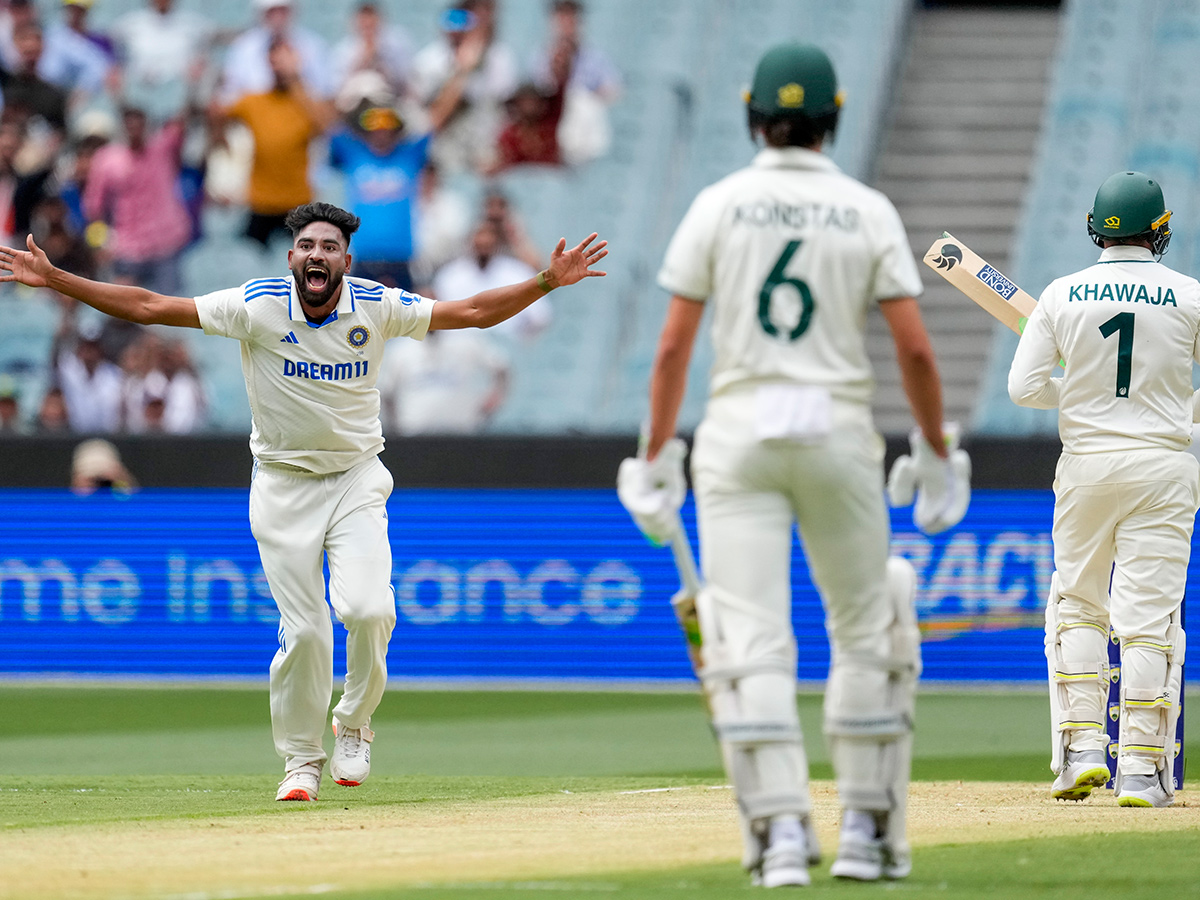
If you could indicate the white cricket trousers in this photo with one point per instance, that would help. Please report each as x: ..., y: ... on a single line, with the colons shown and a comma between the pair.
x: 749, y: 494
x: 299, y: 519
x: 1126, y: 519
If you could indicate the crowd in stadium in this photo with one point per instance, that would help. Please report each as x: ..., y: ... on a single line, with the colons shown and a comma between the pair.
x: 114, y: 142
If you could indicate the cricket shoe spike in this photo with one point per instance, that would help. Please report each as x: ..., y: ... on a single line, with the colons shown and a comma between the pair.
x: 351, y: 761
x: 302, y: 783
x: 1142, y: 790
x: 1085, y: 770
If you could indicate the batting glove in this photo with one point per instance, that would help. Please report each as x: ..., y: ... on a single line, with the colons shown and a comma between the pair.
x: 942, y: 486
x: 653, y: 491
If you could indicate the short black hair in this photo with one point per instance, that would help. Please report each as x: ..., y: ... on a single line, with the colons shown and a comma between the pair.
x: 301, y: 217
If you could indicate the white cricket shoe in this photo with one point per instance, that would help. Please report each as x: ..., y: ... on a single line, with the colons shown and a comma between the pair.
x: 792, y: 849
x: 302, y: 783
x: 1143, y: 790
x: 351, y: 761
x: 864, y: 856
x: 784, y: 864
x: 860, y: 858
x: 1085, y: 769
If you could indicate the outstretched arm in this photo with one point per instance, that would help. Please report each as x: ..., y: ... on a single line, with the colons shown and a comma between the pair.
x: 31, y: 267
x: 492, y: 307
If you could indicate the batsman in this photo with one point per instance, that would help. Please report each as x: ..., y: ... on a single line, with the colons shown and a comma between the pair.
x: 792, y: 255
x: 1126, y: 490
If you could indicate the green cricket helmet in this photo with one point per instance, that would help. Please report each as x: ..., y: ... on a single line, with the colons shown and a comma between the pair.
x: 1130, y: 204
x: 794, y: 80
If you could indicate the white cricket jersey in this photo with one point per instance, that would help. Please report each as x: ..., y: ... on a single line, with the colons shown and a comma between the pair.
x: 312, y: 387
x: 1128, y: 329
x: 793, y: 254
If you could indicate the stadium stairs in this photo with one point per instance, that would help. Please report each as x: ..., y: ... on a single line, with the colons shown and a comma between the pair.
x: 957, y: 158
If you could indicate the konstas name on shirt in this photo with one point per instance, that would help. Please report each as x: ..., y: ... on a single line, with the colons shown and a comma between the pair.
x: 805, y: 215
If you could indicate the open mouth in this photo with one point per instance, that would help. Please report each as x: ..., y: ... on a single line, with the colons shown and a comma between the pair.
x: 316, y: 278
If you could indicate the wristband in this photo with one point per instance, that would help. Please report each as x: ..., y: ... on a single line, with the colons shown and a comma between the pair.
x: 542, y: 282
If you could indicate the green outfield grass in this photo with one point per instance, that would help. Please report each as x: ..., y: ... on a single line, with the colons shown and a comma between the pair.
x: 81, y: 761
x: 154, y: 731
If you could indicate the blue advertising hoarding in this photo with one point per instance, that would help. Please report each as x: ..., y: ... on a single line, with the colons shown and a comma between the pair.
x: 490, y: 584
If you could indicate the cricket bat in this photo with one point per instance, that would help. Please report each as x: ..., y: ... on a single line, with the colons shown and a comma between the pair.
x: 975, y: 277
x: 684, y: 601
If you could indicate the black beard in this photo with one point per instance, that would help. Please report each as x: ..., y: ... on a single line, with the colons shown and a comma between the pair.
x: 316, y: 300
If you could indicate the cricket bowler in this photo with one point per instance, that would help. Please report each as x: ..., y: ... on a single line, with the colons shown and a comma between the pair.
x: 1126, y: 491
x: 792, y: 255
x: 312, y: 344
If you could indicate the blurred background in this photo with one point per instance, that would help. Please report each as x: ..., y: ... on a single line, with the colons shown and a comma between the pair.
x: 151, y: 141
x: 158, y: 142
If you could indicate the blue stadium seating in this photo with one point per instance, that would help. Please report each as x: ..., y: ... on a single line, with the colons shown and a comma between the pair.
x: 679, y: 126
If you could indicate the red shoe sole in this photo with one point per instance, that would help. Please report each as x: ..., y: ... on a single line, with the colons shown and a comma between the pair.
x: 297, y: 794
x: 349, y: 783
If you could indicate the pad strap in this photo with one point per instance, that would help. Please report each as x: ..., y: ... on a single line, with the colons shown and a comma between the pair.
x: 880, y: 725
x: 1088, y: 670
x: 743, y: 733
x: 1074, y: 718
x: 1149, y: 746
x: 1147, y: 698
x: 1166, y: 650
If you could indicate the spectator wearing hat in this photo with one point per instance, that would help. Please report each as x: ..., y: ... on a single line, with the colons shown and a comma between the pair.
x: 132, y: 186
x: 96, y: 466
x: 248, y: 68
x: 162, y: 49
x: 465, y: 50
x: 382, y: 162
x: 283, y: 122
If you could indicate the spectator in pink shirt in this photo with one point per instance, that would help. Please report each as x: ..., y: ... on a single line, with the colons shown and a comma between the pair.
x: 133, y: 185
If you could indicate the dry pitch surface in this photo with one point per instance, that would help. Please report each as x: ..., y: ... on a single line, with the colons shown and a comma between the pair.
x: 328, y: 847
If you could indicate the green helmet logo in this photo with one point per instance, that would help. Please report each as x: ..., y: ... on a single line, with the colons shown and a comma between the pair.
x: 793, y: 79
x: 1127, y: 205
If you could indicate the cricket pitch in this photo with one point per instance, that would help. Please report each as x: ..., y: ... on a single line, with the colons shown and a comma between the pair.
x: 328, y: 846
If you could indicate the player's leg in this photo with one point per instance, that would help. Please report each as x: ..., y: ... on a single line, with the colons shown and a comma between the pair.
x: 1085, y: 517
x: 360, y: 572
x: 288, y: 518
x: 871, y: 619
x: 1153, y: 547
x: 750, y: 659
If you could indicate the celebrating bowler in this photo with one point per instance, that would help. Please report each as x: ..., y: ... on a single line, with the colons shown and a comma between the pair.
x: 312, y: 344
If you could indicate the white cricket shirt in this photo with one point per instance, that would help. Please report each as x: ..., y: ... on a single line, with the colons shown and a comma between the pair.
x: 1128, y: 329
x: 792, y: 253
x: 312, y: 387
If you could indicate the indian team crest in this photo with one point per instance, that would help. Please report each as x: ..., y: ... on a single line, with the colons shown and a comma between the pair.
x: 358, y: 336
